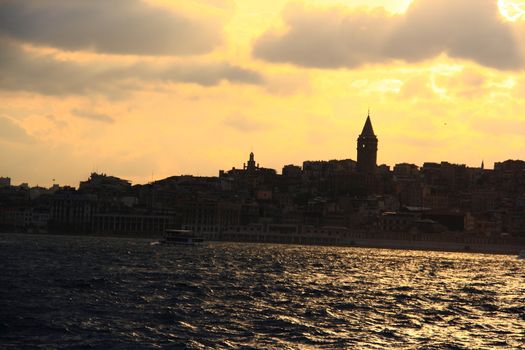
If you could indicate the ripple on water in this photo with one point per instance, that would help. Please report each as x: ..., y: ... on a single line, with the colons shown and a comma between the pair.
x: 81, y: 292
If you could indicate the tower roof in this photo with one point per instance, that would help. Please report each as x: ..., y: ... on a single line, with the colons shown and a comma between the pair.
x: 368, y: 130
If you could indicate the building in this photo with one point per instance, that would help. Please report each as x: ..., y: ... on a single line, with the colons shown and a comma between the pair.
x: 133, y: 224
x: 5, y: 181
x: 72, y: 212
x: 367, y: 149
x: 292, y: 171
x: 251, y: 167
x: 104, y: 184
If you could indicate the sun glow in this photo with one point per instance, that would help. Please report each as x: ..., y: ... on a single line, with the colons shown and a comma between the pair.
x: 512, y: 10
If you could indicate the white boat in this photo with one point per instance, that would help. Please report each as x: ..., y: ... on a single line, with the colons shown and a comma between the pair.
x: 181, y: 237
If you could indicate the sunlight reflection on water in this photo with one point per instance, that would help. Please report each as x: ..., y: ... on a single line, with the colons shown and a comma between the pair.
x: 118, y: 293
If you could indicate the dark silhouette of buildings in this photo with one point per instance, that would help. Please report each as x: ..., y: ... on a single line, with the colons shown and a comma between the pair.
x: 320, y: 202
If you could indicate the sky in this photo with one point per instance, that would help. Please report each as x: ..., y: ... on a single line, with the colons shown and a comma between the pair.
x: 146, y: 89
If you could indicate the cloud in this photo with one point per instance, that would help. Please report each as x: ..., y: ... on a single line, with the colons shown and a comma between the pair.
x: 109, y: 26
x: 223, y: 4
x: 468, y: 29
x: 336, y: 38
x: 43, y: 73
x: 469, y: 83
x: 93, y: 116
x: 10, y: 131
x: 417, y: 87
x: 60, y: 124
x: 206, y: 74
x: 244, y: 124
x: 329, y: 38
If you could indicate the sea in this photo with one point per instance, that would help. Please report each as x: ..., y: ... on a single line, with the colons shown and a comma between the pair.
x: 73, y: 292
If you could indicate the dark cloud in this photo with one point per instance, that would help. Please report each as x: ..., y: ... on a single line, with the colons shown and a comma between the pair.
x: 327, y: 38
x: 333, y: 38
x: 208, y: 74
x: 20, y: 70
x: 98, y: 117
x: 469, y: 29
x: 108, y: 26
x: 26, y: 71
x: 10, y: 131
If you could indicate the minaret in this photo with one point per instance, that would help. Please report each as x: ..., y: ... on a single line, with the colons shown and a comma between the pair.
x: 367, y: 149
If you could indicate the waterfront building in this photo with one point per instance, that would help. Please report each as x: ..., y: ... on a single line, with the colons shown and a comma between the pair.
x: 133, y: 224
x: 72, y: 212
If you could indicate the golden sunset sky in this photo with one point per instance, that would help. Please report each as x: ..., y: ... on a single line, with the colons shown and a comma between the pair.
x: 148, y: 89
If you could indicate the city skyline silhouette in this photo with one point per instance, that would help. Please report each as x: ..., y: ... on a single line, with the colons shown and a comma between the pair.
x: 200, y: 84
x: 365, y: 159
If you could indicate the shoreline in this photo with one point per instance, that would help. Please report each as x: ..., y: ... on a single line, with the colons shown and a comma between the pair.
x: 440, y: 247
x: 395, y: 244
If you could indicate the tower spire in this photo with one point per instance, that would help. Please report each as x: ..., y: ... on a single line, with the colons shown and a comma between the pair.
x: 368, y: 130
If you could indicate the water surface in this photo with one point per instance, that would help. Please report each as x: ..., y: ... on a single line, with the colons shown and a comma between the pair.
x: 90, y: 292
